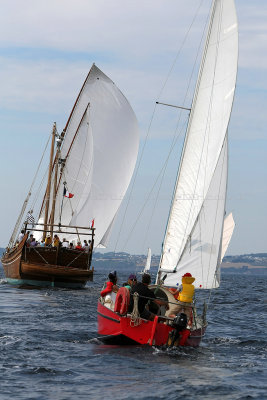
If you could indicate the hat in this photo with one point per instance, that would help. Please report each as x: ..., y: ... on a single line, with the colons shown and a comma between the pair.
x: 187, y: 274
x: 112, y: 275
x: 132, y: 277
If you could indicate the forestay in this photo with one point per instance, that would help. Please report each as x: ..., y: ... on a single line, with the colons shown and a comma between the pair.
x: 193, y: 236
x: 100, y: 147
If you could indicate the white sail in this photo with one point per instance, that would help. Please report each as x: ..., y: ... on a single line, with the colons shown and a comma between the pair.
x: 201, y: 254
x: 203, y: 151
x: 228, y: 229
x: 100, y: 147
x: 148, y: 260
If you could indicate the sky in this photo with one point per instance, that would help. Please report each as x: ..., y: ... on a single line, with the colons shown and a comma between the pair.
x: 148, y: 49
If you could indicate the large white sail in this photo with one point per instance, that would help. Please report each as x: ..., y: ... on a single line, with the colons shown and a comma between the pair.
x: 100, y: 147
x: 201, y: 254
x: 204, y: 147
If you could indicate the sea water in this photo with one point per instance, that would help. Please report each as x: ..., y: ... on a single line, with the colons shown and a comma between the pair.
x: 50, y: 350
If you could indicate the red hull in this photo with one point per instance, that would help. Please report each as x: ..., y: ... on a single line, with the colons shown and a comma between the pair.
x: 148, y: 332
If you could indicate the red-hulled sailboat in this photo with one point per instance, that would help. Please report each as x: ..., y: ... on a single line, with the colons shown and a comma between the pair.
x: 194, y: 232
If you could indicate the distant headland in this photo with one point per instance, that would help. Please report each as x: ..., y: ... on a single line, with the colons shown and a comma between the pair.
x: 245, y: 264
x: 241, y: 264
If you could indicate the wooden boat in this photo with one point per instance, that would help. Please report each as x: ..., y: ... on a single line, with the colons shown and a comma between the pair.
x: 83, y: 191
x: 194, y: 233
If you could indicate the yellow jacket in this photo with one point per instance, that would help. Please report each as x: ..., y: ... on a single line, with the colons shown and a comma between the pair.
x: 187, y: 293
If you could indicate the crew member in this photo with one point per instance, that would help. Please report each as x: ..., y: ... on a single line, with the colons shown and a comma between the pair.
x: 186, y: 295
x: 145, y: 294
x: 111, y: 284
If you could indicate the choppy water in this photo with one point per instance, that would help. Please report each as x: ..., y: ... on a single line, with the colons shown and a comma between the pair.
x: 49, y: 348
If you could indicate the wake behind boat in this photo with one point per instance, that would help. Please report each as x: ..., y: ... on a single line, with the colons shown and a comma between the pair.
x: 91, y: 164
x: 193, y: 243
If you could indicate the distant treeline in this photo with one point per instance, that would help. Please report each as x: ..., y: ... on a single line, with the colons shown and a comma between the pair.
x: 256, y: 259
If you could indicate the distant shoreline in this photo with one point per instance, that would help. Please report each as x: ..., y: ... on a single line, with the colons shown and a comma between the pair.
x: 241, y: 264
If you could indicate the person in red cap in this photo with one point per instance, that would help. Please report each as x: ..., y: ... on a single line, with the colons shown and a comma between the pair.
x: 186, y: 294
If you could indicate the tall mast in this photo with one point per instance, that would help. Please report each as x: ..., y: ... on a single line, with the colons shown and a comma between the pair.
x: 48, y: 188
x: 52, y: 215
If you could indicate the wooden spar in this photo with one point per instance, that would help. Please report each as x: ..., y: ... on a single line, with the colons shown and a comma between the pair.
x: 60, y: 231
x: 64, y: 130
x: 67, y: 226
x: 73, y: 139
x: 52, y: 215
x: 171, y: 105
x: 49, y: 179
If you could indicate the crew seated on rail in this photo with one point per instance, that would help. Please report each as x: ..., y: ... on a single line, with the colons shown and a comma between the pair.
x: 145, y: 294
x: 111, y: 285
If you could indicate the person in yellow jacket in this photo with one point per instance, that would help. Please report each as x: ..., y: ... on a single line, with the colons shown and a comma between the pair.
x: 186, y: 294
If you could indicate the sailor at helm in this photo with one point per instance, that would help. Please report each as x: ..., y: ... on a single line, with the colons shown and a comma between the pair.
x: 186, y: 294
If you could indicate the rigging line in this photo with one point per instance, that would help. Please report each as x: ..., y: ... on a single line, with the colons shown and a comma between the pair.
x: 70, y: 204
x: 39, y: 165
x: 149, y: 194
x: 216, y: 213
x: 18, y: 222
x: 38, y: 168
x: 183, y: 245
x: 179, y: 119
x: 180, y: 49
x: 190, y: 79
x: 135, y: 176
x: 219, y: 190
x: 174, y: 141
x: 82, y: 158
x: 39, y: 189
x: 151, y: 120
x: 153, y: 210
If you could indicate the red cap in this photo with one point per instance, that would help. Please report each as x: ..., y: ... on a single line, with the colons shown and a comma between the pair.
x: 187, y: 274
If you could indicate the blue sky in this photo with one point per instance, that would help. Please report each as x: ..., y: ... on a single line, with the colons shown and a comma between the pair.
x: 46, y: 50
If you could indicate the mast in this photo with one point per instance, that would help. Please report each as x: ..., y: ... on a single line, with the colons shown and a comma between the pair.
x: 189, y: 122
x: 190, y: 233
x: 48, y: 188
x: 52, y: 215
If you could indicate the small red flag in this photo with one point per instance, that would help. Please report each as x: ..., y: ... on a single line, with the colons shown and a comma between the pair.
x: 92, y: 224
x: 66, y: 193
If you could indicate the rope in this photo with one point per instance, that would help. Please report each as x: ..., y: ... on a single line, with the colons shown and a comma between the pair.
x: 207, y: 127
x: 150, y: 124
x: 18, y: 222
x: 46, y: 262
x: 135, y: 316
x: 79, y: 255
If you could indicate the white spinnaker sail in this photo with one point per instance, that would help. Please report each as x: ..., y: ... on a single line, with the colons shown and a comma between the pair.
x: 148, y: 260
x: 205, y: 135
x: 100, y: 147
x: 228, y: 229
x: 201, y: 256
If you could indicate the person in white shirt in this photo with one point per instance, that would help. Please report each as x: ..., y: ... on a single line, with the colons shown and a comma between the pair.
x: 65, y: 243
x: 85, y: 244
x: 21, y: 235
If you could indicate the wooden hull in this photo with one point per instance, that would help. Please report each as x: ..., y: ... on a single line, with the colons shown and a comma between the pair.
x: 38, y: 267
x: 117, y: 328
